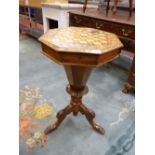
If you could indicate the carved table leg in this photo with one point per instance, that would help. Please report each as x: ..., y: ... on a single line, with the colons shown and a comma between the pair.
x: 61, y: 115
x: 90, y: 115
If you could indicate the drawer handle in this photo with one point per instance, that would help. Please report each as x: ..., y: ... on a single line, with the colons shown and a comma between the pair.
x: 77, y: 20
x: 126, y: 33
x: 98, y: 26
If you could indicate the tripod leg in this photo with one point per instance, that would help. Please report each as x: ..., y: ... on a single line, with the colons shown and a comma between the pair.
x: 90, y: 115
x: 61, y: 115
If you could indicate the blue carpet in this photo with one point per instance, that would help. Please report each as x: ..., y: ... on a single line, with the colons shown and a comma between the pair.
x: 114, y: 109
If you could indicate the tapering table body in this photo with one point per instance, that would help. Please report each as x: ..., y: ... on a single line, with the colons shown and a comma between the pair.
x: 79, y: 50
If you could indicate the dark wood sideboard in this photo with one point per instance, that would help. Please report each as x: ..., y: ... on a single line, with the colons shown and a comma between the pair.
x: 118, y: 24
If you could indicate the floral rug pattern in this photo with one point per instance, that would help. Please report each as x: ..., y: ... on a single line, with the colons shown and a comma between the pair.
x: 34, y: 115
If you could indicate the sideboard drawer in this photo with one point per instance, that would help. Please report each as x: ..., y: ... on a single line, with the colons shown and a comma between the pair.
x: 81, y: 21
x: 119, y: 29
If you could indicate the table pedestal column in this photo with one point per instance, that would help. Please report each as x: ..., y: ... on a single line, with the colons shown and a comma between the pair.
x: 77, y: 77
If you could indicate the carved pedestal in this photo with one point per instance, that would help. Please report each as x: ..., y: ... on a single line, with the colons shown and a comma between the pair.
x: 77, y: 77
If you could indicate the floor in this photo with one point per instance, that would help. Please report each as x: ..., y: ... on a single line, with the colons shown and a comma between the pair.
x: 114, y: 109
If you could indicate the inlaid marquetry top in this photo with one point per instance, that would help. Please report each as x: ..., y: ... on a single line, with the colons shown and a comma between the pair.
x: 81, y: 40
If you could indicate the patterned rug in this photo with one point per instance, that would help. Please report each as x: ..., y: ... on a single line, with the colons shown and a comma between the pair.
x: 34, y: 115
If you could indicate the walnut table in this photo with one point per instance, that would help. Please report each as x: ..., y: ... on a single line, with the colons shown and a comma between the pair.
x: 79, y: 50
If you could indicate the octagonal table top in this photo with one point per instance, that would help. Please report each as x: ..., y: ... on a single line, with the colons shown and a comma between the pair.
x: 81, y: 40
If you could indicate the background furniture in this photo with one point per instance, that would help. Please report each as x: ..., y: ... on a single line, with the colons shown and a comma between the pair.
x: 55, y: 15
x: 79, y: 50
x: 130, y: 83
x: 30, y: 19
x: 36, y: 18
x: 114, y: 8
x: 120, y: 25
